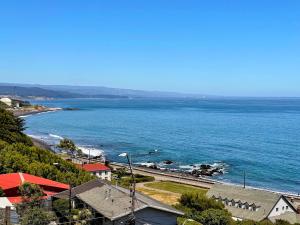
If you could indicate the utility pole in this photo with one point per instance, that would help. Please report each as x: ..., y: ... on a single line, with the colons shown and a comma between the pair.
x: 70, y: 201
x: 131, y: 220
x: 244, y: 179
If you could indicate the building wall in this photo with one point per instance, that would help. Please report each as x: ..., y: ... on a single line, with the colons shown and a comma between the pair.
x: 104, y: 175
x: 7, y: 101
x: 280, y: 208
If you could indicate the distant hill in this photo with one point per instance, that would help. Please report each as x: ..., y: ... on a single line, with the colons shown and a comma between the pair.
x: 38, y: 92
x: 94, y: 91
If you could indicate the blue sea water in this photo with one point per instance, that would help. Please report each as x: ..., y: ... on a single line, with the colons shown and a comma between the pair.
x: 258, y: 136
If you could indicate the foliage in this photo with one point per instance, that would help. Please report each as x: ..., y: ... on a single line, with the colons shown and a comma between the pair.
x: 281, y: 222
x: 30, y: 192
x: 126, y: 179
x: 37, y: 216
x: 82, y: 216
x: 40, y: 162
x: 181, y: 220
x: 2, y: 194
x: 61, y: 206
x: 199, y: 202
x: 176, y: 187
x: 215, y: 217
x: 251, y: 222
x: 11, y: 128
x: 67, y: 144
x: 3, y: 105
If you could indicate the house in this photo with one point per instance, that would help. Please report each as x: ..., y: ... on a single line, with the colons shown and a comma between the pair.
x: 112, y: 205
x: 7, y: 101
x: 254, y: 204
x: 98, y: 169
x: 11, y: 182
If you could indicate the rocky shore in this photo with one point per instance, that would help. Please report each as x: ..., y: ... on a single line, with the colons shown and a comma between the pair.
x: 201, y: 170
x: 32, y: 111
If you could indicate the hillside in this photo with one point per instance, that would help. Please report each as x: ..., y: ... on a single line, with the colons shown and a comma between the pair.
x: 38, y: 92
x: 108, y: 92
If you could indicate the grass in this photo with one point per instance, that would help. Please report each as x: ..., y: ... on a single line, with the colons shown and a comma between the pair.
x: 167, y: 198
x: 176, y: 187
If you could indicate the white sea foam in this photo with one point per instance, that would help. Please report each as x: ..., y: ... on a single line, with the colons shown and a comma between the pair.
x: 146, y: 164
x: 56, y: 136
x: 91, y: 150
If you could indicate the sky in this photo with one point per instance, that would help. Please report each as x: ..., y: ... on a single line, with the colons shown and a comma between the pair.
x: 231, y: 48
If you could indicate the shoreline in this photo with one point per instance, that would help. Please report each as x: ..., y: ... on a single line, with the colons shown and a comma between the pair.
x: 175, y: 176
x: 203, y: 182
x: 22, y: 112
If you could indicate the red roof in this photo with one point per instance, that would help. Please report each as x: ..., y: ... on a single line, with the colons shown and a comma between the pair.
x: 95, y: 167
x: 9, y: 183
x: 13, y: 180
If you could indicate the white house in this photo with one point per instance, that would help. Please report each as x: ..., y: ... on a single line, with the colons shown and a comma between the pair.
x: 7, y: 101
x: 98, y: 169
x: 254, y: 204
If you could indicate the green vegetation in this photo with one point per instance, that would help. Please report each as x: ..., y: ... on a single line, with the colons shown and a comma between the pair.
x: 124, y: 179
x: 31, y: 193
x: 37, y: 216
x: 3, y: 105
x: 2, y: 194
x: 181, y: 220
x: 18, y: 155
x: 176, y: 187
x: 204, y: 210
x: 67, y: 144
x: 11, y: 129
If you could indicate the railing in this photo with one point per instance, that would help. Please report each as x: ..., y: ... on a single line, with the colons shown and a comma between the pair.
x: 9, y: 216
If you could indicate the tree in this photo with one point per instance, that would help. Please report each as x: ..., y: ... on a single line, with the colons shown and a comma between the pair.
x: 215, y: 217
x: 37, y: 216
x: 2, y: 194
x: 67, y: 144
x: 31, y: 194
x: 199, y: 202
x: 11, y: 128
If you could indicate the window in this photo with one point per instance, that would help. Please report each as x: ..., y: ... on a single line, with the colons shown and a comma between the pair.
x: 286, y: 207
x: 277, y: 209
x: 282, y: 208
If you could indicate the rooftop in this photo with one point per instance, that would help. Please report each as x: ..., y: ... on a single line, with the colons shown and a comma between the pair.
x: 263, y: 201
x: 93, y: 167
x: 111, y: 201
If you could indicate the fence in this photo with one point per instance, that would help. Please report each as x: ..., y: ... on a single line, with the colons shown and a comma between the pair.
x: 9, y: 216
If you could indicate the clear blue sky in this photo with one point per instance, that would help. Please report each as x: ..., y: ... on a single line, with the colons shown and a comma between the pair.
x: 225, y: 47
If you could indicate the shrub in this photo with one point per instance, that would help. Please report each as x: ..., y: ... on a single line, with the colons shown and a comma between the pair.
x: 37, y: 216
x: 215, y: 217
x: 199, y: 202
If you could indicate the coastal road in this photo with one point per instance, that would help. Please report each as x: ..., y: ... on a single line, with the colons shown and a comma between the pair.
x: 169, y: 176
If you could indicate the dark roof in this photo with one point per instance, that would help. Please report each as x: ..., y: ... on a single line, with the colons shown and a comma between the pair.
x: 111, y: 201
x: 80, y: 189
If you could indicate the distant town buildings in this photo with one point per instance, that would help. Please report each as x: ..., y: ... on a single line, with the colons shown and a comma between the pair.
x: 112, y: 205
x: 98, y: 169
x: 254, y: 204
x: 13, y: 102
x: 7, y: 101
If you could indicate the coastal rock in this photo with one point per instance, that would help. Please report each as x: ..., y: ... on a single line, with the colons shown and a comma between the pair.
x: 168, y: 162
x: 208, y: 170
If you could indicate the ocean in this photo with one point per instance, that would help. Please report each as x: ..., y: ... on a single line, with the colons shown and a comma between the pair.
x: 260, y: 137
